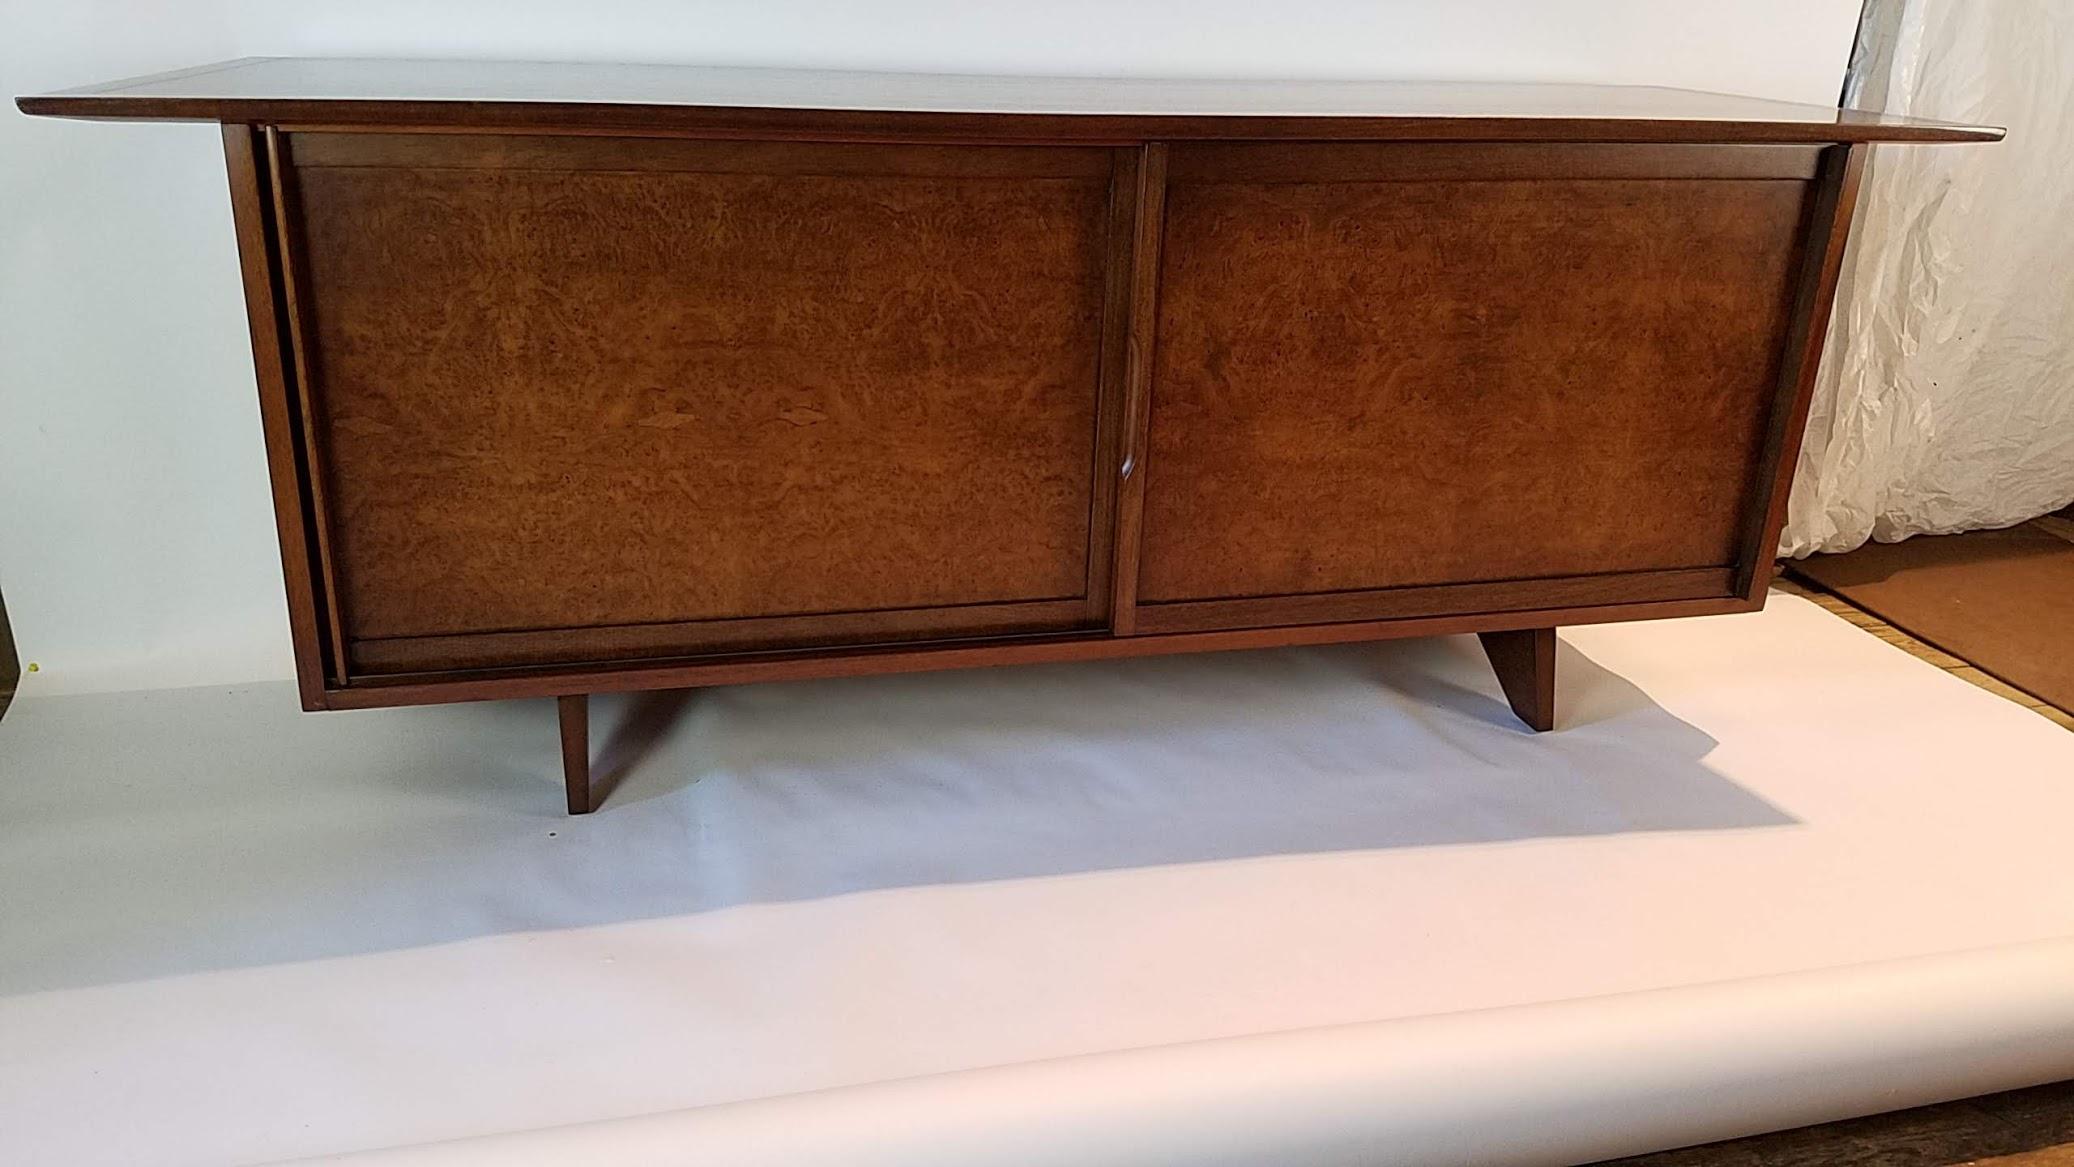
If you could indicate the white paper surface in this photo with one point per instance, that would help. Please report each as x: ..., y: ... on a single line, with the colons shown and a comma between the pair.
x: 237, y: 933
x: 1555, y: 1083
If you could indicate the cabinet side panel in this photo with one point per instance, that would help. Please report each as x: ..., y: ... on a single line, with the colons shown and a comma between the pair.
x: 1367, y: 383
x: 251, y: 199
x: 1829, y: 228
x: 596, y: 383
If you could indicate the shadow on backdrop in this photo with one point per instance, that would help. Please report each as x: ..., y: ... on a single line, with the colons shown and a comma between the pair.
x: 181, y: 831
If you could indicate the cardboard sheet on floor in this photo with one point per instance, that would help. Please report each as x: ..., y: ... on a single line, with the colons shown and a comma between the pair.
x: 2003, y: 600
x: 1299, y: 906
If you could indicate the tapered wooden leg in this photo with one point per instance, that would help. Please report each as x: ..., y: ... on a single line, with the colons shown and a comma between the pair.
x: 1525, y: 664
x: 576, y: 751
x: 10, y: 663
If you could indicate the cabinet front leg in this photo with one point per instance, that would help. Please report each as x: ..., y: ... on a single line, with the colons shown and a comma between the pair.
x: 1525, y: 663
x: 576, y: 751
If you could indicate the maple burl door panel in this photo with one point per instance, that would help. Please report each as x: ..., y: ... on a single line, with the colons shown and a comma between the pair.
x: 1390, y: 369
x: 591, y: 398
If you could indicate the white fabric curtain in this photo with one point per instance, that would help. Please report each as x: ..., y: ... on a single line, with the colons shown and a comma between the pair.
x: 1945, y: 400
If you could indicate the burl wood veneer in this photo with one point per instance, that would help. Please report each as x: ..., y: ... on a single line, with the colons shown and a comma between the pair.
x: 587, y: 378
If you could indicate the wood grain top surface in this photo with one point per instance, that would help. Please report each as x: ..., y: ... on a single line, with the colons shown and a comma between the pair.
x: 347, y: 91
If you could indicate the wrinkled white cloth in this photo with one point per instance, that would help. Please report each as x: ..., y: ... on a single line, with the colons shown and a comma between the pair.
x: 1945, y: 400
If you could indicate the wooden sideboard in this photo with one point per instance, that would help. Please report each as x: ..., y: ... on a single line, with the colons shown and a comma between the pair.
x: 590, y: 378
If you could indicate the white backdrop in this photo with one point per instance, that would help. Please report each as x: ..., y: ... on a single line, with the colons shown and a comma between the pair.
x: 135, y: 545
x: 1946, y: 398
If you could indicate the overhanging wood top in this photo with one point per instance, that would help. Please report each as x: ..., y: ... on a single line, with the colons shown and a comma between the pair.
x: 307, y: 91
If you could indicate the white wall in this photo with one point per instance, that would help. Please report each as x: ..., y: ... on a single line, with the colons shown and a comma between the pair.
x: 136, y: 546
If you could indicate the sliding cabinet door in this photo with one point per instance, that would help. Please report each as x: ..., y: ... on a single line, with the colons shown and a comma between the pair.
x: 1417, y: 379
x: 580, y: 399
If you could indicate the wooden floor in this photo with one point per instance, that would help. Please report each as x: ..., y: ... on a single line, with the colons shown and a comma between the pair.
x: 2023, y: 1128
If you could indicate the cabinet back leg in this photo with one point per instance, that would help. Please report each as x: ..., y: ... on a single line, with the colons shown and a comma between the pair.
x: 1525, y: 663
x: 576, y: 751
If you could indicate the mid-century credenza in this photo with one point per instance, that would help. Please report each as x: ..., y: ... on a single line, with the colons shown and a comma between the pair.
x: 589, y: 378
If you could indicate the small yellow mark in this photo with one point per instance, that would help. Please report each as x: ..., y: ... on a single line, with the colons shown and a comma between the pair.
x: 34, y: 667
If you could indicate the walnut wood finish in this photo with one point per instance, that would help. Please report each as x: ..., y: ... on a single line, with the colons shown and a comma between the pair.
x: 826, y: 104
x: 1525, y: 661
x: 10, y: 661
x: 1829, y: 225
x: 674, y: 383
x: 1141, y: 294
x: 887, y: 660
x: 574, y: 714
x: 1522, y: 595
x: 245, y: 151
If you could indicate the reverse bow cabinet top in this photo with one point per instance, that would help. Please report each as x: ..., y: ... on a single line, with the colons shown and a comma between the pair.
x: 580, y: 378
